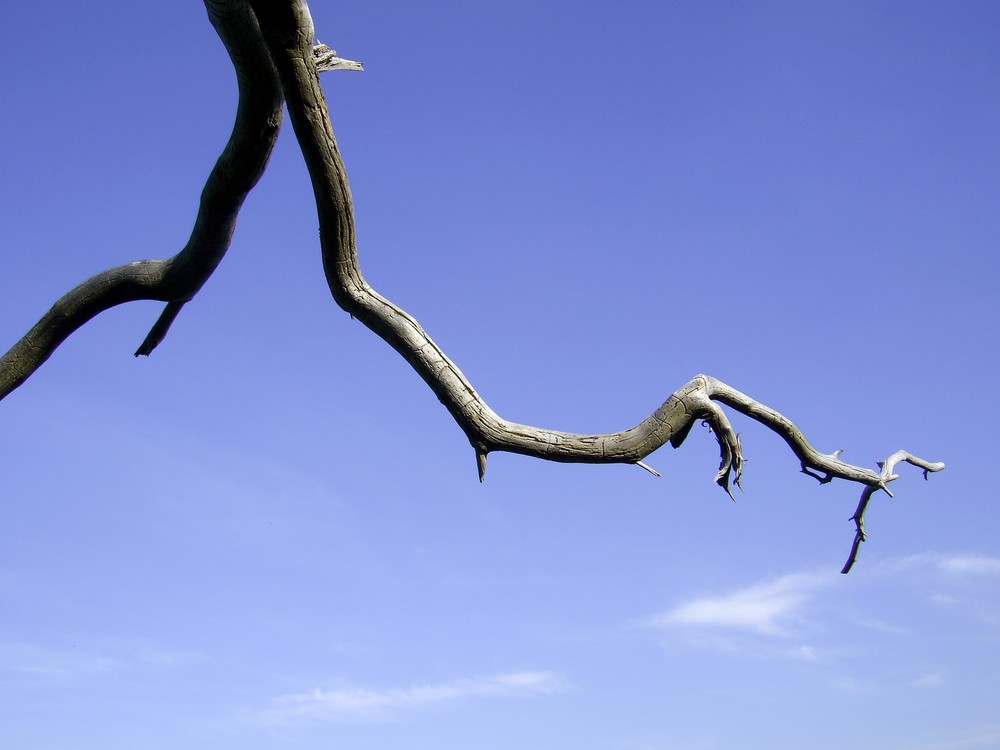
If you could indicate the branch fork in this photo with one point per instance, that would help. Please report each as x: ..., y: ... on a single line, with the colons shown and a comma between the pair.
x: 271, y: 45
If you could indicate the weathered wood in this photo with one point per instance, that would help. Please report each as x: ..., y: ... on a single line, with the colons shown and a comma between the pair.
x: 288, y: 32
x: 272, y: 45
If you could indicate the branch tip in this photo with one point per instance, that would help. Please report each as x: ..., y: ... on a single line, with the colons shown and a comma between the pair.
x: 326, y: 59
x: 159, y: 330
x: 481, y: 464
x: 881, y: 482
x: 648, y: 468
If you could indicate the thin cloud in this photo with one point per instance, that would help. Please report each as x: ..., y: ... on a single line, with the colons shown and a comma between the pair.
x: 955, y: 564
x: 41, y: 663
x: 764, y: 608
x: 928, y: 680
x: 360, y: 704
x: 852, y: 685
x: 970, y: 564
x: 873, y: 623
x: 803, y: 652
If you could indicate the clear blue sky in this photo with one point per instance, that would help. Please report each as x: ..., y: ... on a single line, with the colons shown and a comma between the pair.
x: 270, y: 534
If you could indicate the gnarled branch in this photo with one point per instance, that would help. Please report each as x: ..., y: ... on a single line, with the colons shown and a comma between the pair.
x: 176, y: 280
x: 276, y: 37
x: 288, y: 32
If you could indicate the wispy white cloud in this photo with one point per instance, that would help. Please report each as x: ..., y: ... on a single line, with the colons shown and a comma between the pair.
x: 928, y: 680
x: 970, y: 564
x: 43, y: 663
x: 767, y: 608
x: 852, y: 685
x: 804, y: 652
x: 956, y: 564
x: 965, y: 584
x: 360, y: 704
x: 38, y: 662
x: 873, y: 623
x: 888, y: 684
x: 944, y: 600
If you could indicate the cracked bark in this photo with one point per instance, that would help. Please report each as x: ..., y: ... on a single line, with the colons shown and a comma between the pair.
x: 279, y: 35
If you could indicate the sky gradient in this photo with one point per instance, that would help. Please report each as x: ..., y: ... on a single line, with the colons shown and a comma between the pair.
x: 269, y: 534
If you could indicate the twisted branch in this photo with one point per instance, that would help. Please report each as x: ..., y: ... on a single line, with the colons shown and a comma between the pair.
x: 288, y: 32
x: 885, y: 476
x: 285, y: 27
x: 176, y: 280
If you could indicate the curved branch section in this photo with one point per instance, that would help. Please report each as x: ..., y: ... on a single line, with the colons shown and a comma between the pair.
x: 288, y: 32
x: 176, y: 280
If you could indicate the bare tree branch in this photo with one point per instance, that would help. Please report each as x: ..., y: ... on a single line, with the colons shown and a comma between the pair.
x: 886, y: 476
x: 288, y: 32
x: 290, y: 64
x: 177, y: 279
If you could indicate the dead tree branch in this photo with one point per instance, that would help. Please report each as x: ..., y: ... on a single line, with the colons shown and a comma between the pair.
x: 273, y: 51
x: 886, y: 476
x: 288, y: 32
x: 177, y: 279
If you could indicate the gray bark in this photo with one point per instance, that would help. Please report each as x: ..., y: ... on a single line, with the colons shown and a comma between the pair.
x: 272, y: 45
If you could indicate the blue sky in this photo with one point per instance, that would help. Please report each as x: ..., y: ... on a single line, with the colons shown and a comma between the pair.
x: 270, y: 534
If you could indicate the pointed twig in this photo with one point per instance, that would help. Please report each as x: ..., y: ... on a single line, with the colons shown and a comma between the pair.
x: 648, y: 468
x: 481, y: 463
x: 885, y: 476
x: 326, y: 59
